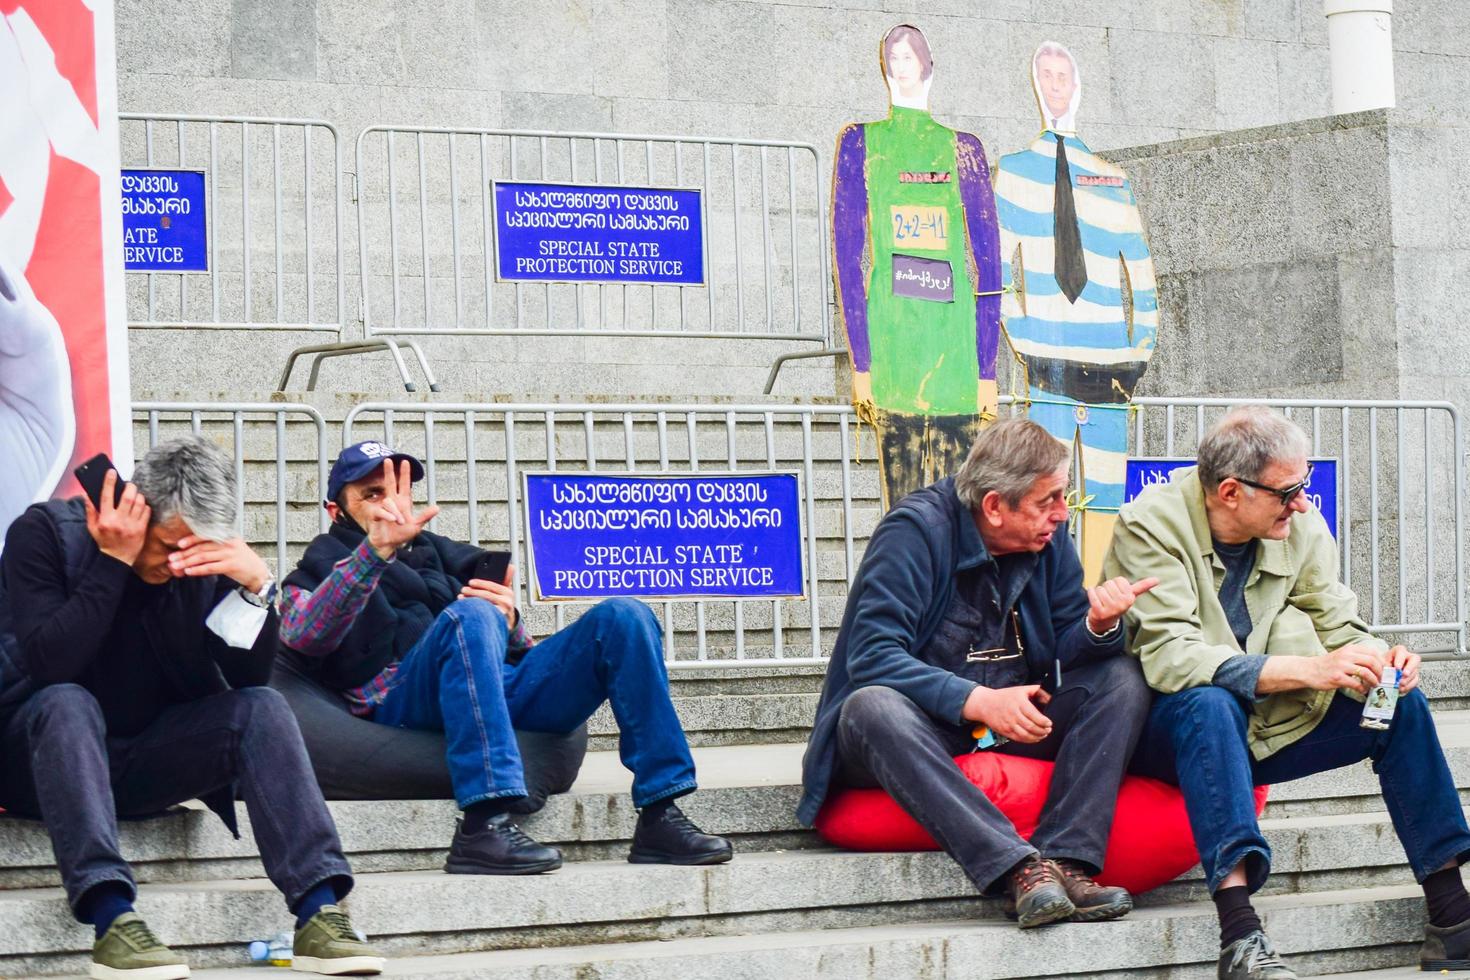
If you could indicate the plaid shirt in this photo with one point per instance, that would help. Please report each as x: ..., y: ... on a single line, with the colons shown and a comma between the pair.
x: 314, y: 623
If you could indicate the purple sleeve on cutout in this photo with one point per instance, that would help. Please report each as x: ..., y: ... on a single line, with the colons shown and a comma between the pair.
x: 850, y: 240
x: 979, y: 203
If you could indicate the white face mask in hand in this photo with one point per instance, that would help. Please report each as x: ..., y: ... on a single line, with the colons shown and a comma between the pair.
x: 37, y: 427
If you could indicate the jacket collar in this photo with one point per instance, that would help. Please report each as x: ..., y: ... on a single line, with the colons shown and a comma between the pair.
x: 972, y: 550
x: 1272, y: 557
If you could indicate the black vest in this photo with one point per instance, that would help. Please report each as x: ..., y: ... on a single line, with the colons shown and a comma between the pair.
x: 425, y: 577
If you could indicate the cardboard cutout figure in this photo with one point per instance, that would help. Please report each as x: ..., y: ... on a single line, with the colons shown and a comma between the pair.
x: 1082, y: 314
x: 917, y: 269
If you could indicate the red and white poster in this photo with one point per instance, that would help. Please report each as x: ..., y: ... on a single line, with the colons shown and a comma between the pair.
x: 63, y: 330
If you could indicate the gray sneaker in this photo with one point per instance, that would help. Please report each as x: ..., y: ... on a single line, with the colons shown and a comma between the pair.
x: 1252, y: 958
x: 130, y: 951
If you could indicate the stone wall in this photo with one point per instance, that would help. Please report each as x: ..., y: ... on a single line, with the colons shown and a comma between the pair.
x: 1153, y: 70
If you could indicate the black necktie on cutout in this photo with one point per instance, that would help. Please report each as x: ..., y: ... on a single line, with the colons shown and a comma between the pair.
x: 1070, y: 265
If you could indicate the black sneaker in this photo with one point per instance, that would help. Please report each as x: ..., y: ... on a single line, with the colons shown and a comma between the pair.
x: 672, y: 838
x: 501, y: 848
x: 1446, y: 948
x: 1252, y: 958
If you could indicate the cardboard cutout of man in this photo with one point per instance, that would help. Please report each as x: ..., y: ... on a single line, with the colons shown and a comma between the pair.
x: 1081, y: 315
x: 917, y: 269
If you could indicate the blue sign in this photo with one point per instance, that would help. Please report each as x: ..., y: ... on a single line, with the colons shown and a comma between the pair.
x: 164, y: 221
x: 594, y: 535
x: 594, y: 233
x: 1321, y: 488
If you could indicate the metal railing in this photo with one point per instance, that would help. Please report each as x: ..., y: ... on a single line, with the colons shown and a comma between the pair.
x: 1402, y: 545
x: 481, y: 502
x: 297, y: 468
x: 274, y: 218
x: 425, y: 193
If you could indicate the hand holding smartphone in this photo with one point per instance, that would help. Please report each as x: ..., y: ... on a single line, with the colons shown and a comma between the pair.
x: 492, y: 566
x: 91, y: 475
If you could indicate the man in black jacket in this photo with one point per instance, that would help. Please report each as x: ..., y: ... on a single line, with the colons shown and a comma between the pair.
x: 968, y: 628
x: 392, y: 617
x: 142, y: 630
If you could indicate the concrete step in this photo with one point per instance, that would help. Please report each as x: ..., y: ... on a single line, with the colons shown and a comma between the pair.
x: 1325, y: 830
x: 1319, y: 934
x: 757, y: 705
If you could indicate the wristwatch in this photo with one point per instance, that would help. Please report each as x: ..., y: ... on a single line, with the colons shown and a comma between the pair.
x: 263, y: 598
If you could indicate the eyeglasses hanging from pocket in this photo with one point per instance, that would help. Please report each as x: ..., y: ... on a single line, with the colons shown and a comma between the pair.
x: 1012, y: 649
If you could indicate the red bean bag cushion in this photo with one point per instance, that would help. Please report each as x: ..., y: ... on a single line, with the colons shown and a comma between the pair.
x: 1150, y: 843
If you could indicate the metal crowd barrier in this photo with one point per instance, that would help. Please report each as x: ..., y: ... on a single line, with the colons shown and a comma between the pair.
x: 426, y: 237
x: 282, y: 505
x: 274, y: 220
x: 481, y: 502
x: 1401, y: 466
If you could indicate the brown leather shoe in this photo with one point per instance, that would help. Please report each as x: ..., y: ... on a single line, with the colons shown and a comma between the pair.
x: 1092, y: 902
x: 1037, y: 895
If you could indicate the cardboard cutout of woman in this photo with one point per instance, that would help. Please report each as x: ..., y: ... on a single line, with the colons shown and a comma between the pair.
x: 1081, y: 313
x: 917, y: 269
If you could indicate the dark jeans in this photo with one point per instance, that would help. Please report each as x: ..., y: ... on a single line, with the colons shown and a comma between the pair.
x: 1196, y: 739
x: 58, y: 763
x: 456, y: 680
x: 884, y: 739
x: 916, y: 450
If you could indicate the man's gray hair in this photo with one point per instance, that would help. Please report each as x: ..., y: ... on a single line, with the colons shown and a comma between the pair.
x: 1245, y: 441
x: 192, y: 479
x: 1008, y: 457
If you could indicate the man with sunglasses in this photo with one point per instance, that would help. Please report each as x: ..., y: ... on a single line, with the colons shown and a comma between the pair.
x: 1262, y: 663
x: 969, y: 610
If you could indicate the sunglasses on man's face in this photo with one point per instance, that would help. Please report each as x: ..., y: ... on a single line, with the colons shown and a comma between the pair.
x: 1285, y: 494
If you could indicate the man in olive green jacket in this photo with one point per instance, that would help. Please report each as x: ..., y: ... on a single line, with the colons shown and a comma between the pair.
x: 1261, y: 663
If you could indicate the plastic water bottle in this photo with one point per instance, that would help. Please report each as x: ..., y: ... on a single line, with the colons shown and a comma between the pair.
x: 275, y: 951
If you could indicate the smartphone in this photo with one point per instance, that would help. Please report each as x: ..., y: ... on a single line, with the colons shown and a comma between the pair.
x: 91, y: 474
x: 492, y: 566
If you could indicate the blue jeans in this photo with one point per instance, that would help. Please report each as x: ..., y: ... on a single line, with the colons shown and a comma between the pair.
x: 456, y: 680
x: 1196, y: 739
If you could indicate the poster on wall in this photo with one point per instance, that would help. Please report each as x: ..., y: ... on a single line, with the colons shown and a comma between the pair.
x: 63, y: 338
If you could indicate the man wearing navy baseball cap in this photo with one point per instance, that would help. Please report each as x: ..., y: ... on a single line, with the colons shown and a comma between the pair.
x: 393, y: 618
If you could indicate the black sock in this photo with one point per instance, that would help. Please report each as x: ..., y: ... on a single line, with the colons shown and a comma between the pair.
x: 1237, y: 918
x: 103, y: 903
x: 477, y: 815
x: 311, y: 903
x: 1449, y: 904
x: 656, y: 809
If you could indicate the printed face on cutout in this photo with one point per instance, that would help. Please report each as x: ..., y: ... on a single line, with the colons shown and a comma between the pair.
x: 905, y: 69
x: 908, y: 66
x: 1058, y: 82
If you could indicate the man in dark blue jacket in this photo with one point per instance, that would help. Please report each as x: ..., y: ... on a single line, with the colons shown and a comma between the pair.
x: 968, y: 627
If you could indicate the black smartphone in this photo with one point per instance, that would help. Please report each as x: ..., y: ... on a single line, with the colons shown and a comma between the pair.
x: 91, y: 474
x: 492, y: 566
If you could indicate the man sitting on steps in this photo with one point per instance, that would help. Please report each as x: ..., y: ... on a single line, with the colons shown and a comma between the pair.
x: 146, y: 633
x: 390, y: 616
x: 969, y: 610
x: 1261, y: 663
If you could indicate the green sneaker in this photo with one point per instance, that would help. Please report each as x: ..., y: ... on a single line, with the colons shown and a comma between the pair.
x: 130, y: 951
x: 328, y: 944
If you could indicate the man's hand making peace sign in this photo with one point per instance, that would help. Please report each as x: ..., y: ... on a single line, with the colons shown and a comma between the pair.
x: 388, y: 506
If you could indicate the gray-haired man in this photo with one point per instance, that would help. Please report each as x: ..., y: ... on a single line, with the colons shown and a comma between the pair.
x: 1261, y: 663
x: 144, y: 634
x: 969, y: 610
